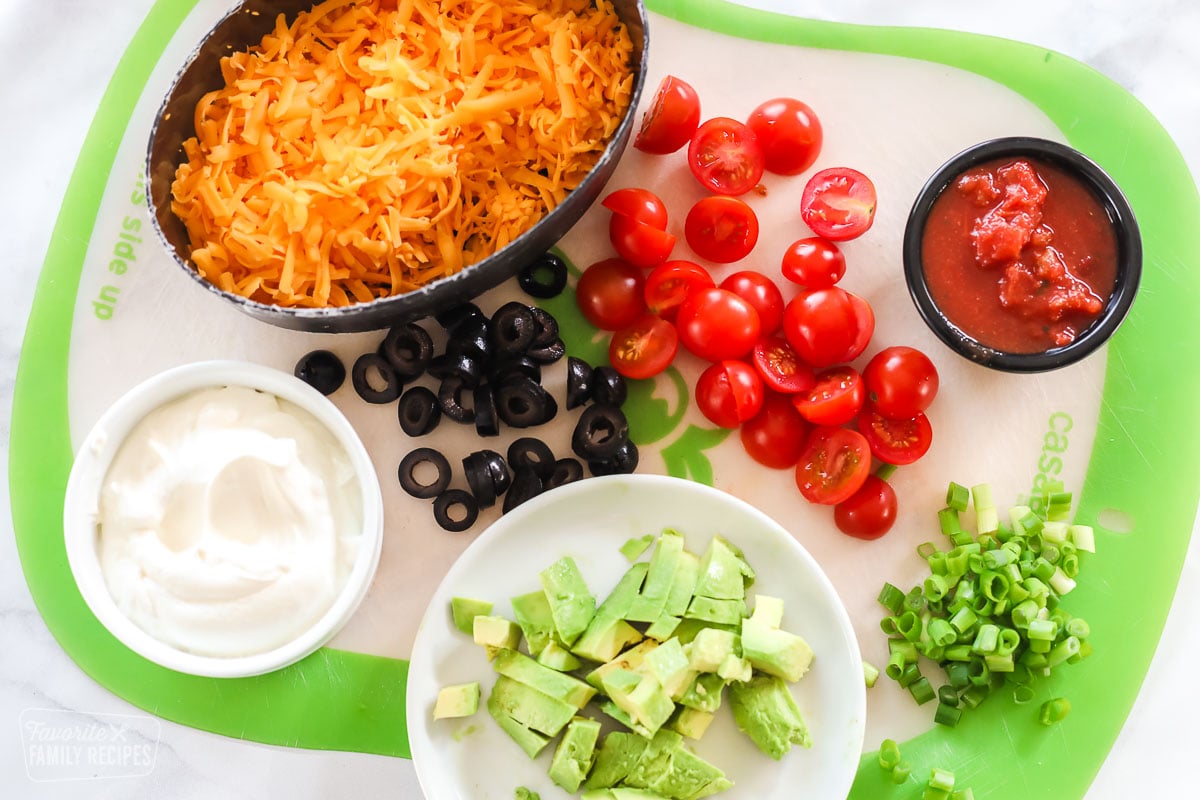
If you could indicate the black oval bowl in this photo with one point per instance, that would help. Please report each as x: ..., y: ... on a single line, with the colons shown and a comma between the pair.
x: 1120, y: 215
x: 245, y: 26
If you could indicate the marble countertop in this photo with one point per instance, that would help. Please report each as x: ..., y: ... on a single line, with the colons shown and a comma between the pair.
x: 64, y: 52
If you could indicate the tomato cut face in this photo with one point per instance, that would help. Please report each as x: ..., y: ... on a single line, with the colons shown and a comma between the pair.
x: 790, y: 135
x: 835, y: 399
x: 640, y: 204
x: 672, y: 118
x: 775, y: 435
x: 609, y: 293
x: 901, y: 382
x: 670, y: 283
x: 716, y: 324
x: 833, y: 466
x: 814, y: 262
x: 838, y: 203
x: 638, y: 242
x: 761, y: 292
x: 896, y: 441
x: 868, y: 513
x: 721, y: 229
x: 729, y: 392
x: 725, y: 156
x: 781, y: 369
x: 645, y: 348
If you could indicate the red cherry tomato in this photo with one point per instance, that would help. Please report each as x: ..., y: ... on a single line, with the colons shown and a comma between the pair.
x: 609, y: 293
x: 640, y: 204
x: 822, y: 325
x: 838, y: 203
x: 725, y: 156
x: 864, y: 321
x: 790, y: 134
x: 729, y: 392
x: 896, y: 441
x: 868, y: 513
x: 761, y: 292
x: 833, y: 465
x: 901, y: 382
x: 781, y: 369
x: 775, y: 435
x: 721, y: 229
x: 814, y: 262
x: 638, y: 242
x: 716, y: 324
x: 835, y: 400
x: 645, y: 348
x: 670, y: 283
x: 672, y: 118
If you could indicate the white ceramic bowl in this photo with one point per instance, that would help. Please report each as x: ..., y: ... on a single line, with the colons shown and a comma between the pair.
x: 589, y: 520
x: 91, y: 465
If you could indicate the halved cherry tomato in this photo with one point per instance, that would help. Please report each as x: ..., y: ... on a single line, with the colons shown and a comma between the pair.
x: 822, y: 325
x: 835, y: 400
x: 761, y: 292
x: 838, y: 203
x: 729, y: 392
x: 645, y: 348
x: 640, y: 204
x: 775, y: 435
x: 868, y: 513
x: 672, y: 118
x: 609, y: 293
x: 670, y: 283
x: 814, y: 262
x: 833, y: 465
x: 725, y: 156
x: 781, y: 369
x: 639, y: 243
x: 895, y: 441
x: 721, y: 229
x: 716, y: 324
x: 790, y: 134
x: 901, y: 382
x: 864, y: 320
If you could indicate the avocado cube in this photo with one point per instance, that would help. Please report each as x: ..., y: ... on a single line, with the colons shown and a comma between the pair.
x: 571, y: 604
x: 723, y: 612
x: 630, y: 660
x: 688, y: 775
x: 735, y: 668
x: 770, y: 649
x: 529, y: 741
x: 610, y: 708
x: 765, y: 710
x: 660, y: 577
x: 574, y: 755
x: 724, y: 573
x: 768, y: 610
x: 655, y: 761
x: 549, y: 682
x: 616, y: 605
x: 639, y: 696
x: 663, y: 628
x: 709, y: 649
x: 459, y: 700
x: 617, y: 754
x: 634, y: 548
x: 605, y: 639
x: 705, y: 692
x: 531, y: 708
x: 621, y: 793
x: 532, y: 613
x: 684, y: 585
x: 717, y: 785
x: 688, y: 628
x: 555, y: 657
x: 691, y: 723
x: 669, y: 665
x: 495, y: 634
x: 464, y: 610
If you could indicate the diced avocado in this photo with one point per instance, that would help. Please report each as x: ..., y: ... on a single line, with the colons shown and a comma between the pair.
x: 530, y: 741
x: 617, y: 754
x: 634, y: 548
x: 689, y: 774
x: 655, y: 761
x: 690, y: 722
x: 605, y: 639
x: 684, y: 585
x: 642, y: 697
x: 555, y: 657
x: 621, y: 793
x: 669, y: 665
x: 530, y: 707
x: 769, y: 649
x: 495, y: 634
x: 688, y: 628
x: 709, y: 649
x: 650, y: 604
x: 524, y: 793
x: 532, y: 612
x: 616, y: 605
x: 610, y: 708
x: 631, y: 660
x: 717, y: 785
x: 765, y: 710
x: 735, y: 668
x: 459, y: 700
x: 552, y: 683
x: 705, y: 692
x: 571, y: 604
x: 465, y: 609
x: 723, y: 612
x: 724, y: 573
x: 663, y: 628
x: 574, y: 755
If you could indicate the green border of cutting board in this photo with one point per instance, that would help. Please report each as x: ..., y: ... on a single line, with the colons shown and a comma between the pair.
x: 1141, y: 462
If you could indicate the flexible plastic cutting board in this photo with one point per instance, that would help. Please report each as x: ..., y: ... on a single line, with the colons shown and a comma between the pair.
x: 111, y: 309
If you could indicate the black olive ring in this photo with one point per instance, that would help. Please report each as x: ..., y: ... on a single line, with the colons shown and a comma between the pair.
x: 408, y: 473
x: 544, y: 277
x: 450, y: 499
x: 362, y: 384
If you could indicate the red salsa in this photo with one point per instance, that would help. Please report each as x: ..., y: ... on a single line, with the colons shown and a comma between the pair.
x: 1019, y: 255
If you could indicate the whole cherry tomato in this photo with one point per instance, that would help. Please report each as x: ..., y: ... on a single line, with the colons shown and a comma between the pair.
x: 814, y: 262
x: 790, y: 134
x: 639, y: 243
x: 822, y: 325
x: 868, y: 513
x: 761, y: 292
x: 901, y: 382
x: 775, y: 435
x: 729, y: 392
x: 640, y: 204
x: 672, y: 118
x: 609, y: 293
x: 716, y: 324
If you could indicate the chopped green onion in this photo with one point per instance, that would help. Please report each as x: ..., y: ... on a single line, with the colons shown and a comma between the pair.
x: 909, y: 626
x: 973, y: 696
x: 895, y: 666
x: 1070, y: 565
x: 889, y: 626
x: 926, y: 549
x: 941, y: 779
x: 1065, y: 649
x: 905, y: 648
x: 949, y: 522
x: 957, y: 496
x: 901, y: 772
x: 1060, y: 583
x: 964, y: 619
x: 1083, y: 537
x: 958, y: 675
x: 948, y: 715
x: 986, y: 639
x: 889, y: 754
x: 870, y: 673
x: 1078, y: 628
x: 909, y: 675
x: 891, y: 598
x: 947, y: 694
x: 1054, y: 710
x: 935, y: 587
x: 1022, y: 694
x: 921, y: 690
x: 963, y: 794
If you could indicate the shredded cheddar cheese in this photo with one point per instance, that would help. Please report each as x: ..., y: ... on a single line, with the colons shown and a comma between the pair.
x: 372, y: 147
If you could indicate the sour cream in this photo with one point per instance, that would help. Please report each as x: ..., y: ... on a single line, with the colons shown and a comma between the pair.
x: 229, y: 521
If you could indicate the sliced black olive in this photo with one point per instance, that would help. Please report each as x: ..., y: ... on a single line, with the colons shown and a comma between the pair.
x: 450, y: 399
x: 545, y: 276
x: 600, y: 432
x: 408, y: 473
x: 472, y: 342
x: 530, y: 452
x: 548, y: 354
x: 463, y: 366
x: 487, y: 475
x: 513, y: 329
x: 486, y: 421
x: 458, y: 317
x: 455, y: 498
x: 419, y: 411
x: 547, y: 327
x: 321, y: 370
x: 579, y: 382
x: 622, y: 462
x: 371, y: 369
x: 522, y: 402
x: 566, y: 470
x: 526, y: 485
x: 608, y: 386
x: 408, y: 349
x: 501, y: 369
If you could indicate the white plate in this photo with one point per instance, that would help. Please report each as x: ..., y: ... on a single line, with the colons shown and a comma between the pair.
x: 590, y: 520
